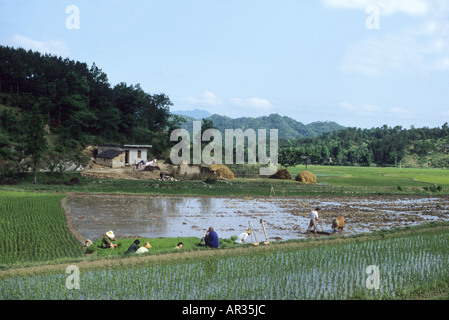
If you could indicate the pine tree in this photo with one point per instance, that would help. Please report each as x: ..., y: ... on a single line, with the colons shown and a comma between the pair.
x: 35, y: 142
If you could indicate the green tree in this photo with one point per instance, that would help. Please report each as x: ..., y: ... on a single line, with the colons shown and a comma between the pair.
x: 35, y: 142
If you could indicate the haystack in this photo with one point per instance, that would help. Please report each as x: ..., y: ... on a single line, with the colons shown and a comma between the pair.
x: 282, y: 174
x: 221, y: 171
x: 306, y: 177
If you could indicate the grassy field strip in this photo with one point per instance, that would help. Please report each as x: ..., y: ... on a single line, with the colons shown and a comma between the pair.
x: 409, y: 266
x: 331, y: 180
x: 376, y: 176
x: 121, y: 261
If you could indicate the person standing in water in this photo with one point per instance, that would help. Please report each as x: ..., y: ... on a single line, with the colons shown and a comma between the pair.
x: 313, y: 220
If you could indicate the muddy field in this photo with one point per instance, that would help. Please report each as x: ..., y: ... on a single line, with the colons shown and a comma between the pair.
x: 285, y: 218
x: 127, y: 173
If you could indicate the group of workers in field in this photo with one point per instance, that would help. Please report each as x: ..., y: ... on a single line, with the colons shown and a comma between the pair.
x: 109, y: 237
x: 210, y: 239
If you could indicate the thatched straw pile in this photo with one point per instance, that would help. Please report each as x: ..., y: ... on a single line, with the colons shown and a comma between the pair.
x: 221, y: 171
x: 306, y: 177
x: 282, y: 174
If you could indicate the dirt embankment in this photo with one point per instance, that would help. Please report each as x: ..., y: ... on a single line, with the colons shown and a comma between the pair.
x: 127, y: 173
x: 71, y: 222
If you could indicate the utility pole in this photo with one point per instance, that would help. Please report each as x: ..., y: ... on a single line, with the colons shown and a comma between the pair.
x: 306, y: 159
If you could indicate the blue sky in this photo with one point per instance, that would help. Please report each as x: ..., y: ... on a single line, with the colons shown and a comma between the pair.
x: 312, y: 60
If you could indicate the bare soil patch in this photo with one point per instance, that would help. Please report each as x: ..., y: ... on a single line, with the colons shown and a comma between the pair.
x: 127, y: 173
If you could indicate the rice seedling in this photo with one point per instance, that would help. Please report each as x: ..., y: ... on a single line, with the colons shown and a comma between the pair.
x: 407, y: 266
x: 33, y: 229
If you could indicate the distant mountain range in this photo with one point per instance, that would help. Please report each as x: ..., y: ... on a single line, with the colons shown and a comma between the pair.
x: 288, y: 128
x: 195, y: 114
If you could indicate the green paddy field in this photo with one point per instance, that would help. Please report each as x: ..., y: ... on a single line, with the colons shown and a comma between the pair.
x: 36, y: 246
x: 377, y: 176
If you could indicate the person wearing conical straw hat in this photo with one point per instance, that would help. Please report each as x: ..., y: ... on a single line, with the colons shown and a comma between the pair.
x: 313, y: 220
x: 107, y: 240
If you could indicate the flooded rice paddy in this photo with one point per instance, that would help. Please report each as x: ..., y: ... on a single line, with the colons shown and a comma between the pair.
x: 285, y: 218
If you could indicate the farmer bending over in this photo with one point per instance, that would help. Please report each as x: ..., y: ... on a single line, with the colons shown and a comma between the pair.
x: 134, y: 246
x: 313, y: 220
x: 243, y: 236
x: 144, y: 249
x: 179, y: 245
x: 211, y: 238
x: 107, y: 240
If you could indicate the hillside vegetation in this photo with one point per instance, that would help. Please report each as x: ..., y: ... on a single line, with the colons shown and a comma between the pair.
x: 75, y: 105
x: 288, y: 127
x: 385, y: 146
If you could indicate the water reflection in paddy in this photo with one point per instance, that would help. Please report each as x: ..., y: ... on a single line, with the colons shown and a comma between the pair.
x: 159, y: 216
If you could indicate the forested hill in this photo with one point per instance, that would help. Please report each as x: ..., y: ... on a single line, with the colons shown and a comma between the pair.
x: 385, y: 146
x: 288, y: 128
x: 77, y: 100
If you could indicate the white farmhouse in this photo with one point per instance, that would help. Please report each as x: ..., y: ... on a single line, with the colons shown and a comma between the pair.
x: 121, y: 155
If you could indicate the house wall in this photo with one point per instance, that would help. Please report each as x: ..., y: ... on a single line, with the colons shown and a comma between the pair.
x: 134, y: 155
x: 104, y: 162
x: 119, y: 161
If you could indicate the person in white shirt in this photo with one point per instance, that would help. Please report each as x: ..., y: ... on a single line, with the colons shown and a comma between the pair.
x: 313, y: 220
x: 144, y: 249
x: 243, y: 236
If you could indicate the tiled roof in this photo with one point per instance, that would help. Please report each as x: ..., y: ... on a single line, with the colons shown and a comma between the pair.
x: 110, y: 154
x: 125, y: 146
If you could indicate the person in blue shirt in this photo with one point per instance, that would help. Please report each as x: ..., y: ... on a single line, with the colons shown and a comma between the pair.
x: 134, y: 246
x: 211, y: 238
